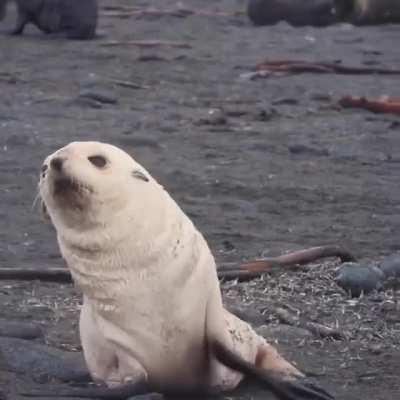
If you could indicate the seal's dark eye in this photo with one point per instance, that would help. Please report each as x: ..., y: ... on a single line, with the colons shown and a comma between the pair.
x: 98, y: 161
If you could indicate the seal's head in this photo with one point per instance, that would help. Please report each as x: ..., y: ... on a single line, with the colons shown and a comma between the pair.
x: 87, y: 183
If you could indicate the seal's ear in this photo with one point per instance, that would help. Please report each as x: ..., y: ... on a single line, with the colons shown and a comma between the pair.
x: 43, y: 208
x: 140, y: 175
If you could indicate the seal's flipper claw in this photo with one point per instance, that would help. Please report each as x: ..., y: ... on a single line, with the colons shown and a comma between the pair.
x: 305, y: 389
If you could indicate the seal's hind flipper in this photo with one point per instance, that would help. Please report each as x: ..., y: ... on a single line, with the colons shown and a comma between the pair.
x: 304, y: 389
x: 295, y: 388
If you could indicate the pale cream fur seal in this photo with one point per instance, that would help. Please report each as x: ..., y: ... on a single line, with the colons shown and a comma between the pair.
x: 152, y: 309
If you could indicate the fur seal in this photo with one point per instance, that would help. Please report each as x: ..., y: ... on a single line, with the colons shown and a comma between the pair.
x: 357, y: 279
x: 295, y: 12
x: 368, y: 12
x: 390, y: 266
x: 152, y: 315
x: 76, y: 19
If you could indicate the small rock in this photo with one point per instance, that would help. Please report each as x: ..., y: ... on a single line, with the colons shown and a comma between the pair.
x: 215, y: 116
x: 86, y: 102
x: 390, y: 266
x: 357, y: 279
x: 286, y: 101
x: 266, y: 114
x: 101, y: 97
x: 303, y: 149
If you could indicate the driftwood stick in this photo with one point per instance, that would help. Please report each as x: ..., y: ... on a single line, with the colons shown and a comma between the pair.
x: 292, y: 66
x: 59, y: 275
x: 317, y: 329
x: 245, y: 271
x: 252, y: 269
x: 383, y: 105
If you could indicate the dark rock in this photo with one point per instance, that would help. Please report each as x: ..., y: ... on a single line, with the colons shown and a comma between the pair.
x: 41, y: 362
x: 101, y: 97
x: 216, y: 116
x: 21, y: 330
x: 368, y: 12
x: 76, y: 19
x: 357, y: 279
x: 303, y: 149
x: 295, y: 12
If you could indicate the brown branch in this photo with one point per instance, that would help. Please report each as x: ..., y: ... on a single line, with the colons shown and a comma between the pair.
x: 248, y: 270
x: 148, y: 43
x: 317, y: 329
x: 253, y: 269
x: 383, y: 105
x: 292, y: 66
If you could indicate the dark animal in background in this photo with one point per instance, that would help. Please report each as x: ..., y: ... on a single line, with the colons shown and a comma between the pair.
x: 76, y: 19
x: 295, y: 12
x: 368, y: 12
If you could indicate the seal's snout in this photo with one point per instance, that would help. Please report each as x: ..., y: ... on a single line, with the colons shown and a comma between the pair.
x: 57, y: 164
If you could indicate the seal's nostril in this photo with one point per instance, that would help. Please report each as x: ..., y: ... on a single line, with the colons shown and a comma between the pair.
x: 56, y: 163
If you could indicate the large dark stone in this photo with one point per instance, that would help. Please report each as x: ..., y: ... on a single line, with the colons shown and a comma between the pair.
x: 295, y: 12
x: 368, y: 12
x: 41, y: 362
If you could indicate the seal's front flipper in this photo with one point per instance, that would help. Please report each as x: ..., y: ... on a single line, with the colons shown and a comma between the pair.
x: 139, y: 389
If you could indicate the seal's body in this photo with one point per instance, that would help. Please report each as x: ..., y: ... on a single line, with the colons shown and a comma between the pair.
x: 77, y: 19
x: 368, y: 12
x: 152, y: 306
x: 295, y: 12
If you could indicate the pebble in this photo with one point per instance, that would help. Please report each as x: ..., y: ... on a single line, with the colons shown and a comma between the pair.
x: 215, y: 116
x: 101, y: 97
